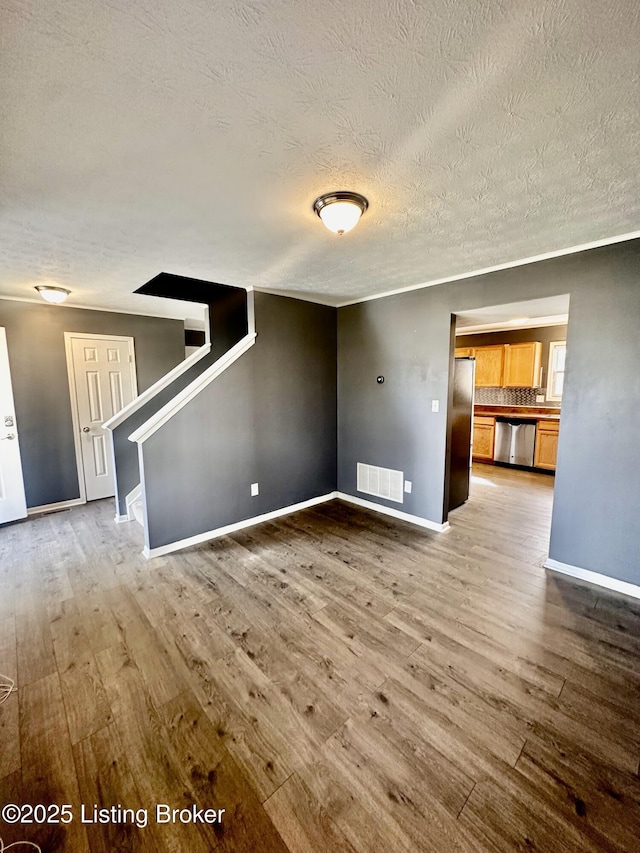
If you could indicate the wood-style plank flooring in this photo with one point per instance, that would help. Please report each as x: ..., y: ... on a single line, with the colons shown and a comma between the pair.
x: 334, y: 680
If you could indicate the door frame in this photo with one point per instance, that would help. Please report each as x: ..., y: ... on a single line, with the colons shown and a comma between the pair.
x: 4, y: 346
x: 73, y: 397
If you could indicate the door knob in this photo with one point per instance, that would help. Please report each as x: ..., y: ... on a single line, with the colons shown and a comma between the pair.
x: 9, y: 437
x: 85, y: 429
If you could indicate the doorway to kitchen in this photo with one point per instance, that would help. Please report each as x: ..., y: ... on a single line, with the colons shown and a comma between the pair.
x: 506, y: 385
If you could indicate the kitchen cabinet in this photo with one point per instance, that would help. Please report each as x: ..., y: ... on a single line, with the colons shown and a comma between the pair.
x: 546, y: 445
x: 489, y: 366
x: 484, y: 430
x: 505, y: 365
x: 522, y: 364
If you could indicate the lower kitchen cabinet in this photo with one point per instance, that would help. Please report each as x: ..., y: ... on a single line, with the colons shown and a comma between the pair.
x: 484, y: 433
x: 546, y: 445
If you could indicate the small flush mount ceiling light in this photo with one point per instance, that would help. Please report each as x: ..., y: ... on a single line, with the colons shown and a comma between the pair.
x: 52, y: 294
x: 340, y: 211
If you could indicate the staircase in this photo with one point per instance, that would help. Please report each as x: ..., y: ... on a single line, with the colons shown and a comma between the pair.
x: 137, y: 511
x: 229, y: 313
x: 237, y: 434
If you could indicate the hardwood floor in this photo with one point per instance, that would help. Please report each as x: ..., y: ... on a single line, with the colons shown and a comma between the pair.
x: 335, y: 681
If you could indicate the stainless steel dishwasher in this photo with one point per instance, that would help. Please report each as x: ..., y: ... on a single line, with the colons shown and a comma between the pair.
x: 515, y: 441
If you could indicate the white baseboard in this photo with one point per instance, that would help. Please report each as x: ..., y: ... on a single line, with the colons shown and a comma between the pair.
x: 55, y: 507
x: 594, y: 578
x: 149, y: 553
x: 439, y: 527
x: 121, y: 519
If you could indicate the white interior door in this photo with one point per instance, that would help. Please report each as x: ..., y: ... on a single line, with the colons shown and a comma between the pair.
x: 102, y: 381
x: 12, y: 500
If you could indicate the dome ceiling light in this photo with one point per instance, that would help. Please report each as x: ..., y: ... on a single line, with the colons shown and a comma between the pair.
x: 52, y: 294
x: 340, y: 211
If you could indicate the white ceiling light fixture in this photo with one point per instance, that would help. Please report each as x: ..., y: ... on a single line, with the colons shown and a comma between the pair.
x: 340, y: 211
x: 56, y: 295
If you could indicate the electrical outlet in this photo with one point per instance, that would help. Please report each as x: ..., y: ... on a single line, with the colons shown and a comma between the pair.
x: 435, y: 405
x: 255, y: 489
x: 539, y: 398
x: 407, y: 487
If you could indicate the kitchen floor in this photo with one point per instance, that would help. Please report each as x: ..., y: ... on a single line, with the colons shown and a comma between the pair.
x: 333, y: 680
x: 516, y: 504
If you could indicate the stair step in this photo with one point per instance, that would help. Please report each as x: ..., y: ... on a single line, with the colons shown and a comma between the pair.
x: 137, y: 511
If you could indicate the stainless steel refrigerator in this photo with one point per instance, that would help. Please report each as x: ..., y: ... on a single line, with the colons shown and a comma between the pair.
x: 459, y: 467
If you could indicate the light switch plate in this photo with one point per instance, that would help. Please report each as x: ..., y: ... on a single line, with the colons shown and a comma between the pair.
x: 407, y: 487
x: 435, y: 405
x: 255, y: 490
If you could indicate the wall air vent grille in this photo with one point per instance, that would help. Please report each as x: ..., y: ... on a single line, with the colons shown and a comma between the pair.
x: 381, y: 482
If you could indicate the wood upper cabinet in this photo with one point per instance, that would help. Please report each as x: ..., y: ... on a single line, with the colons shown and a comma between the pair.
x: 489, y: 366
x: 505, y: 365
x: 484, y: 433
x: 546, y: 445
x: 522, y: 364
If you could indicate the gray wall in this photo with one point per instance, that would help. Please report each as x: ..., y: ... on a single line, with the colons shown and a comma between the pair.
x: 407, y: 339
x: 270, y: 418
x: 35, y: 337
x: 227, y: 325
x: 127, y: 468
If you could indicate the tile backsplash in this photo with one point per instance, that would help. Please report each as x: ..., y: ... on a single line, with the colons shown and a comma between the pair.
x: 511, y: 397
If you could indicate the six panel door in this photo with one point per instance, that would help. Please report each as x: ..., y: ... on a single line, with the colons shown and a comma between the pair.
x: 103, y: 385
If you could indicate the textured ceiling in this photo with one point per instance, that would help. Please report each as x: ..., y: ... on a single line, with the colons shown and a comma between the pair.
x: 193, y: 137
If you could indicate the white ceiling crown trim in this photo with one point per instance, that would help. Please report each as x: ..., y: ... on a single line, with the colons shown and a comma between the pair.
x: 557, y: 253
x: 303, y: 297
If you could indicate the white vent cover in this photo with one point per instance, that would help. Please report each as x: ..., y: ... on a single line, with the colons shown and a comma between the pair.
x: 381, y: 482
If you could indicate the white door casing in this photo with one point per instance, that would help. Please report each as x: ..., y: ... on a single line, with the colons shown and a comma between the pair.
x: 102, y: 379
x: 12, y: 500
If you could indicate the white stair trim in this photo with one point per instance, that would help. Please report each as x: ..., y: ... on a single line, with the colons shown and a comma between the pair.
x: 137, y: 403
x: 134, y: 515
x: 134, y: 495
x: 192, y: 390
x: 594, y: 578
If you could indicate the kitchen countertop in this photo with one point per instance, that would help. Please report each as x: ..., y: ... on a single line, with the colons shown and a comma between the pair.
x: 540, y: 413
